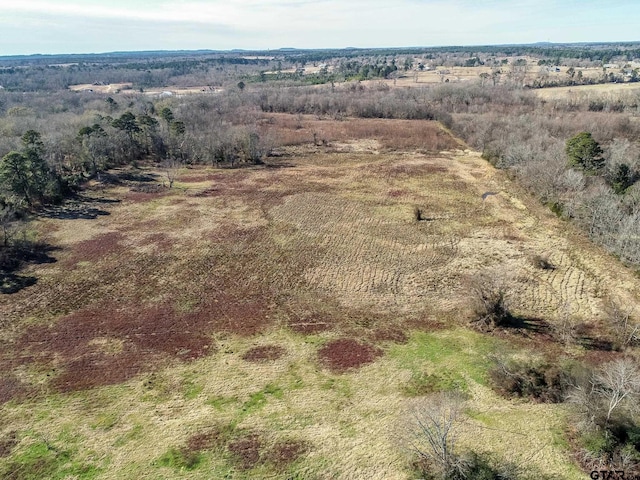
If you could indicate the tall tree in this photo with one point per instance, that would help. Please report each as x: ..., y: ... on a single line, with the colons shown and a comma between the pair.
x: 584, y: 152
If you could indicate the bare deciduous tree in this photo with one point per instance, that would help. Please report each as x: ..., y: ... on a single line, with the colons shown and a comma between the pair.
x: 618, y: 385
x: 171, y: 167
x: 434, y: 432
x: 625, y: 329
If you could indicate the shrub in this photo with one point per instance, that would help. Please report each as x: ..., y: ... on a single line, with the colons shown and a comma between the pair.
x: 422, y: 383
x: 542, y: 262
x: 544, y: 382
x: 491, y: 307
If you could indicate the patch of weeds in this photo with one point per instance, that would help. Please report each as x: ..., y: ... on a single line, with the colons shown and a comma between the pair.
x: 542, y: 382
x: 542, y: 262
x: 105, y: 421
x: 462, y: 351
x: 245, y: 451
x: 133, y: 434
x: 156, y: 387
x: 181, y: 459
x: 557, y: 208
x: 259, y: 399
x: 264, y: 353
x: 347, y: 354
x: 7, y: 443
x: 286, y: 452
x: 422, y: 383
x: 45, y: 460
x: 191, y: 389
x: 338, y: 385
x: 219, y: 402
x: 186, y: 305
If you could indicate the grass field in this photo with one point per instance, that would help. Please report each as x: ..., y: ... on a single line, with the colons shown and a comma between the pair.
x: 278, y: 321
x: 588, y: 91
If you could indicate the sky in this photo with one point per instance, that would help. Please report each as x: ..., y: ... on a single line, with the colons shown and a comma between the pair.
x: 90, y: 26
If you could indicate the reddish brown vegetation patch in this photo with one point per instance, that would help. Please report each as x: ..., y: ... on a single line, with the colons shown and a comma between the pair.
x: 346, y: 353
x: 163, y: 243
x: 425, y: 324
x: 286, y: 452
x: 200, y: 178
x: 310, y: 325
x: 141, y: 197
x: 390, y: 334
x: 264, y: 353
x: 146, y: 335
x: 10, y: 388
x: 397, y: 193
x: 392, y: 134
x: 241, y: 316
x: 246, y: 451
x: 410, y: 170
x: 97, y: 248
x: 203, y: 441
x: 596, y: 358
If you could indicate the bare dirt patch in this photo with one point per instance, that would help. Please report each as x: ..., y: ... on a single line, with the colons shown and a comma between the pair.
x: 346, y: 354
x: 264, y: 353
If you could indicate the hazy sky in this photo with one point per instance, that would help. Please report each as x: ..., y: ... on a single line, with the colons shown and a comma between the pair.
x: 87, y: 26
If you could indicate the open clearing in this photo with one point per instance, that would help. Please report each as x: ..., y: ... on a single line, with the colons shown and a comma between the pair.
x: 268, y: 321
x: 587, y: 90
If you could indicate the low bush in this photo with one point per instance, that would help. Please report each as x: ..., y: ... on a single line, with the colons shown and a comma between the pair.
x: 544, y: 382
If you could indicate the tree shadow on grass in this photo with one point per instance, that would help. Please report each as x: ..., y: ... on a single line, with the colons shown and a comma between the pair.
x: 12, y: 283
x: 14, y: 257
x: 73, y: 212
x: 80, y: 207
x: 534, y: 325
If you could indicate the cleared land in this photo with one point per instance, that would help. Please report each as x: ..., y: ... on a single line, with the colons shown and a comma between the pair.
x: 588, y: 91
x: 277, y: 320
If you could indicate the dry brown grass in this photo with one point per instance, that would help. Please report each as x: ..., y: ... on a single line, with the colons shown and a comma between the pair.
x: 389, y: 134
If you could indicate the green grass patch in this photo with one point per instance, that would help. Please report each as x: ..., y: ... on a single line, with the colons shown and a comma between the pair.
x: 135, y: 433
x: 181, y: 459
x: 340, y: 386
x: 452, y: 354
x: 105, y: 421
x: 220, y: 402
x: 191, y: 389
x: 422, y: 383
x: 260, y: 399
x: 46, y: 460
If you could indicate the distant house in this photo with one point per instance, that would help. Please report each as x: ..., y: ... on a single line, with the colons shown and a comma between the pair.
x: 611, y: 65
